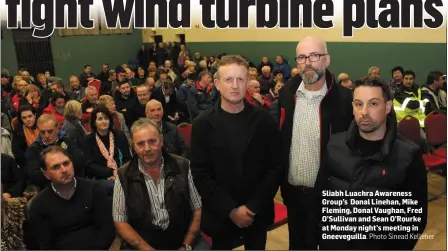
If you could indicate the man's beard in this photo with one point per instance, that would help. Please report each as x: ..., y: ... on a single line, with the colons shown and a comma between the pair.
x: 311, y: 78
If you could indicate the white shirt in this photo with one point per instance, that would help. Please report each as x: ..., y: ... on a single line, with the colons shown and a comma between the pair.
x: 304, y: 157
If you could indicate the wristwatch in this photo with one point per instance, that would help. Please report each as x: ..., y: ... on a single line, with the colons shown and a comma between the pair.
x: 187, y: 247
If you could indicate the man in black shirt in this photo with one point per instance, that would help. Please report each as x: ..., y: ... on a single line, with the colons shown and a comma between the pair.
x: 71, y: 213
x: 234, y: 161
x: 369, y: 159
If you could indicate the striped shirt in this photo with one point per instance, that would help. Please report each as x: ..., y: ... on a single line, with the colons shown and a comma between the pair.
x: 305, y: 141
x: 156, y: 193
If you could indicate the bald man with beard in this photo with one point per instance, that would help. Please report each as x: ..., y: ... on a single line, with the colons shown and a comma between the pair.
x: 311, y: 107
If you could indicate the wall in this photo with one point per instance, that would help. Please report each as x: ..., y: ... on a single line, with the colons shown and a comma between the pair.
x: 420, y: 50
x: 8, y: 55
x: 71, y: 53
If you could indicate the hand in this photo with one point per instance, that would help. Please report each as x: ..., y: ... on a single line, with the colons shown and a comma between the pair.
x: 7, y: 196
x: 124, y: 110
x: 258, y: 97
x: 171, y: 118
x: 90, y: 79
x: 176, y: 116
x: 89, y: 110
x: 29, y: 195
x: 30, y: 98
x: 242, y: 216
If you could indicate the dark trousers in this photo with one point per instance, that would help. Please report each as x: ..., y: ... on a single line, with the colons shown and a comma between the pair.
x: 252, y: 239
x: 298, y: 203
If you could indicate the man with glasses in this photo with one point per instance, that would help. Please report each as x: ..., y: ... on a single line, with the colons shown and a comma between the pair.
x: 312, y: 106
x: 49, y: 135
x: 71, y: 212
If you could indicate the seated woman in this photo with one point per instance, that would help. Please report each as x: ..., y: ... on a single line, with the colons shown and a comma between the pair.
x: 56, y: 107
x: 33, y: 97
x: 72, y: 123
x: 105, y: 149
x: 24, y: 134
x: 273, y: 92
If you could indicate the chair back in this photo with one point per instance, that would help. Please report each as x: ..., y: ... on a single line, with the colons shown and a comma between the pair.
x: 185, y: 131
x: 95, y: 83
x: 435, y: 126
x: 409, y: 127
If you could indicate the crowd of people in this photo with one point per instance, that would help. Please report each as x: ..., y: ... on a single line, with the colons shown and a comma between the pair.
x: 103, y: 156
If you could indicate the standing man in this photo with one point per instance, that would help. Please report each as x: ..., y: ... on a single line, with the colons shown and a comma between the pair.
x: 312, y: 106
x: 155, y: 205
x: 235, y: 164
x: 372, y: 157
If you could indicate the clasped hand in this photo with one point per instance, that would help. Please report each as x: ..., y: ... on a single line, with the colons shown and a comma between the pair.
x: 242, y: 217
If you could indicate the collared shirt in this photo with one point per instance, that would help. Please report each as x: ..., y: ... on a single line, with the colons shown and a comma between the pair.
x: 304, y: 157
x: 156, y: 193
x: 72, y: 192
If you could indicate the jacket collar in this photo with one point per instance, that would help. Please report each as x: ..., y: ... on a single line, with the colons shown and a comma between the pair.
x: 214, y: 116
x: 386, y: 146
x: 170, y: 167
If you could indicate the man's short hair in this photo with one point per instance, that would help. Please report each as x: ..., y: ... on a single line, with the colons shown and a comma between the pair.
x: 89, y: 88
x: 397, y: 68
x: 167, y: 84
x: 203, y: 74
x: 125, y: 81
x: 409, y: 73
x: 231, y: 59
x: 45, y: 118
x: 144, y: 122
x: 87, y: 65
x: 370, y: 81
x: 433, y: 76
x: 51, y: 149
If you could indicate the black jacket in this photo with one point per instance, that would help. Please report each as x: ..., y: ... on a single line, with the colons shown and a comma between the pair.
x: 173, y: 142
x: 398, y: 166
x: 336, y: 114
x: 177, y: 200
x: 168, y: 108
x: 33, y: 159
x: 222, y: 186
x: 96, y: 164
x: 13, y: 180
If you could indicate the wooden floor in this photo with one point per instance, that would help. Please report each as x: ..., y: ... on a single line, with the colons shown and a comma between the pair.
x: 436, y: 226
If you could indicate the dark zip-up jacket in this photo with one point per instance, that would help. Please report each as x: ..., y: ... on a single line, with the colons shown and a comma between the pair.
x: 224, y: 187
x: 335, y: 113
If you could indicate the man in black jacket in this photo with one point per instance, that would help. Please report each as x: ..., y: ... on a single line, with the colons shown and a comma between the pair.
x: 70, y: 212
x: 371, y: 162
x: 311, y: 107
x: 234, y: 160
x: 49, y: 134
x: 155, y: 204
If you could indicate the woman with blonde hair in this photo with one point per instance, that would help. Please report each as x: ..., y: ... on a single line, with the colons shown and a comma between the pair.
x: 72, y: 124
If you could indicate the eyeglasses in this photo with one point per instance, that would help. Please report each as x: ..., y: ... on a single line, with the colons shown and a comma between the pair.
x: 312, y: 58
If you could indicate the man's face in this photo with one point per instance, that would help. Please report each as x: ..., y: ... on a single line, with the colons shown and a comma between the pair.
x: 105, y: 68
x: 25, y: 75
x: 294, y: 72
x: 150, y: 82
x: 88, y: 70
x: 254, y: 87
x: 74, y: 82
x: 397, y: 75
x: 154, y: 111
x: 143, y: 95
x: 253, y: 75
x: 206, y: 79
x: 121, y: 76
x: 264, y: 60
x: 163, y: 76
x: 408, y: 80
x: 311, y: 72
x: 47, y: 74
x: 232, y: 83
x: 266, y: 72
x: 279, y: 77
x: 147, y: 144
x: 54, y: 88
x: 92, y: 96
x: 48, y: 131
x: 43, y: 81
x: 167, y: 64
x: 369, y: 108
x: 125, y: 89
x: 279, y: 60
x: 59, y: 168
